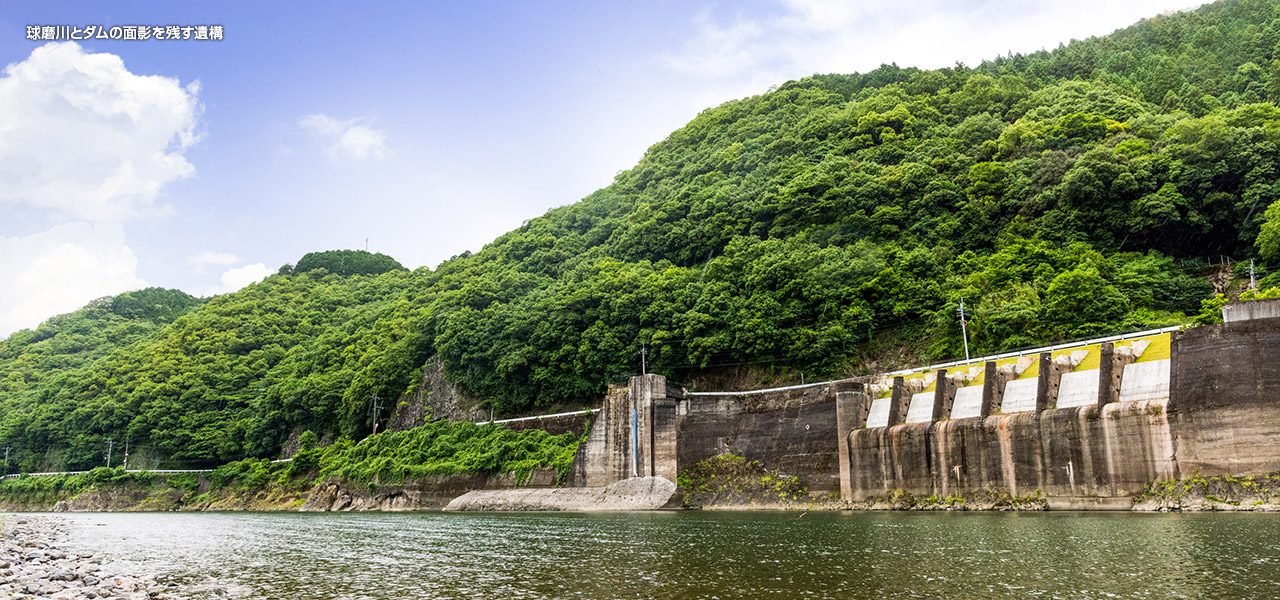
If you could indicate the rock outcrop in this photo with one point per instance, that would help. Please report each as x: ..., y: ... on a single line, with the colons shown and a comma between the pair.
x: 637, y: 493
x: 436, y: 398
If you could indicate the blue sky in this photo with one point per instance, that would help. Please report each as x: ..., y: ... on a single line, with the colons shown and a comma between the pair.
x: 427, y: 128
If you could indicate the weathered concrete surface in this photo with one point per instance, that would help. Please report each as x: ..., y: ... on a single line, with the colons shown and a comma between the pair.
x: 603, y: 457
x: 637, y: 493
x: 1252, y: 309
x: 635, y: 435
x: 1225, y: 398
x: 791, y: 431
x: 653, y: 407
x: 1081, y: 451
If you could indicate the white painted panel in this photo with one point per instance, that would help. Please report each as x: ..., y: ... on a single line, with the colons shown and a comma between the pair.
x: 968, y: 403
x: 1019, y: 395
x: 1078, y: 389
x: 921, y: 410
x: 878, y: 416
x: 1145, y: 381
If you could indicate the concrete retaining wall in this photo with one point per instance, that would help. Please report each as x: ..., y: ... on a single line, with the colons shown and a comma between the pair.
x: 1225, y: 398
x: 792, y: 431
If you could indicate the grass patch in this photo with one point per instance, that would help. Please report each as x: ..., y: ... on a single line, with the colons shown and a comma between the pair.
x: 1160, y: 347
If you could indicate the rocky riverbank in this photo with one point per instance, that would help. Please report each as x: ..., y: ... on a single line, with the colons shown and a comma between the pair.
x: 33, y: 566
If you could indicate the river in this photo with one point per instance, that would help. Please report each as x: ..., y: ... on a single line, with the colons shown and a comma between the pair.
x: 700, y: 554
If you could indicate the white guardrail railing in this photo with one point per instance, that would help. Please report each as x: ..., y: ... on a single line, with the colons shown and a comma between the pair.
x: 537, y: 417
x: 53, y: 473
x: 954, y: 363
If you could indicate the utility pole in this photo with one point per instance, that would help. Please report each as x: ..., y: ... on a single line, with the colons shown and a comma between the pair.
x: 964, y: 329
x: 376, y: 403
x: 1253, y: 280
x: 643, y: 354
x: 125, y: 462
x: 6, y: 459
x: 110, y: 443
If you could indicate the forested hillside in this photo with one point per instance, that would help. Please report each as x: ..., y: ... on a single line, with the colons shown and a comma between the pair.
x: 1062, y: 194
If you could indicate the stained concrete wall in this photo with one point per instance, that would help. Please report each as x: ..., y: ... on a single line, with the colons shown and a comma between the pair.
x: 792, y: 431
x: 1253, y: 309
x: 634, y: 435
x: 603, y: 458
x: 1083, y: 451
x: 1213, y: 408
x: 1225, y: 398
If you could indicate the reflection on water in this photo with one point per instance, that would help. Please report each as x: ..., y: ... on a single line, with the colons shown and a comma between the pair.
x: 703, y: 554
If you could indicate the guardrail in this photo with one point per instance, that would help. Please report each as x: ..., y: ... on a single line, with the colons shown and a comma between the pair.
x: 537, y: 417
x: 53, y: 473
x: 954, y: 363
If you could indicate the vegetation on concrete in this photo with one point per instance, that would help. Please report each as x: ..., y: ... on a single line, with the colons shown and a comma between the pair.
x: 989, y: 499
x: 731, y: 480
x: 1224, y: 492
x: 1061, y: 193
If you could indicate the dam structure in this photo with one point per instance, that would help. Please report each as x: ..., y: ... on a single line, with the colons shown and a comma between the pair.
x: 1086, y: 425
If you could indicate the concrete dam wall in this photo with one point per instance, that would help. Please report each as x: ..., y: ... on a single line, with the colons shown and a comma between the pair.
x: 1086, y: 426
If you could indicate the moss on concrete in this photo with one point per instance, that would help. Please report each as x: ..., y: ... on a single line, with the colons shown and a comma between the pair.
x: 1225, y: 492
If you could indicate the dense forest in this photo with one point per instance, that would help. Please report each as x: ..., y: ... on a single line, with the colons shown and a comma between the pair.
x: 1065, y: 193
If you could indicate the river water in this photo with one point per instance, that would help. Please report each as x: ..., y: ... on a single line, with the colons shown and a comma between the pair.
x: 701, y: 554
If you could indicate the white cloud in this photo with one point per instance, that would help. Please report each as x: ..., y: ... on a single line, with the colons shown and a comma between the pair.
x: 347, y: 139
x: 237, y: 278
x: 86, y: 143
x: 60, y: 270
x: 802, y: 37
x: 204, y: 259
x: 87, y: 138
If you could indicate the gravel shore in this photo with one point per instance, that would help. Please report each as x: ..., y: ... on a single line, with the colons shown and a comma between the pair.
x: 32, y: 566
